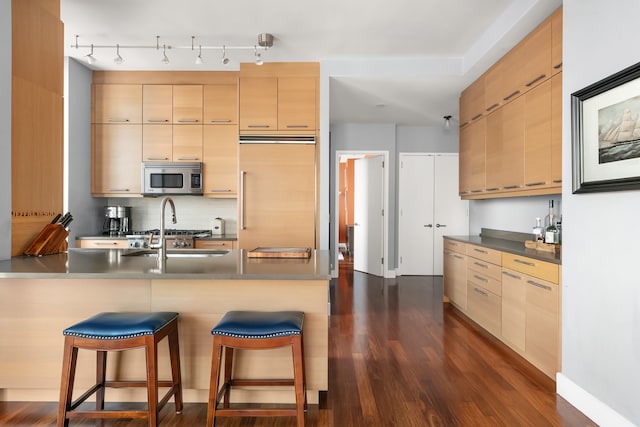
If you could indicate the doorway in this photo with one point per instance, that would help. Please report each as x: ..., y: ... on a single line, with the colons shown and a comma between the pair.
x: 375, y: 261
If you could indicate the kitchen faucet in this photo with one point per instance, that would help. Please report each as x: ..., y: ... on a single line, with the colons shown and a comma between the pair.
x: 161, y: 245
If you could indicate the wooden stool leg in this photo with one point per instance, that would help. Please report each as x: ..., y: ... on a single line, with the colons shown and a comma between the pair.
x: 298, y: 379
x: 101, y: 372
x: 151, y: 349
x: 69, y: 360
x: 228, y: 371
x: 216, y: 359
x: 174, y: 354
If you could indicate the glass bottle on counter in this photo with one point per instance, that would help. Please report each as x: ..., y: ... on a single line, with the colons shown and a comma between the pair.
x: 547, y: 218
x: 538, y: 231
x: 552, y: 234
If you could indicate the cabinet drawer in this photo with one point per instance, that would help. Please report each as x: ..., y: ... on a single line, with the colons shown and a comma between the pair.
x: 533, y: 267
x: 486, y: 268
x: 102, y: 243
x: 455, y: 246
x: 214, y: 244
x: 485, y: 308
x: 489, y: 283
x: 485, y: 254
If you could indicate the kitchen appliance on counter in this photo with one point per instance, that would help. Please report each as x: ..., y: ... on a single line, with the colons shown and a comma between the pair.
x: 171, y: 178
x: 117, y: 220
x: 175, y: 238
x: 217, y: 228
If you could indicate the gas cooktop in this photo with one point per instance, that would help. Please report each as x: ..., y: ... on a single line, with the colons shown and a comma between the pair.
x: 174, y: 232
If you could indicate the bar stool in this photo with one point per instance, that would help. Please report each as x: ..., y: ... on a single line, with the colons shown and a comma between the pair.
x: 256, y: 330
x: 116, y: 332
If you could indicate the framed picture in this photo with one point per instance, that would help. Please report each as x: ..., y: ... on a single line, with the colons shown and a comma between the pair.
x: 605, y: 133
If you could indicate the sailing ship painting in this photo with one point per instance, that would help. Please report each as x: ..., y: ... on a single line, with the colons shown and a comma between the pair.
x: 619, y: 131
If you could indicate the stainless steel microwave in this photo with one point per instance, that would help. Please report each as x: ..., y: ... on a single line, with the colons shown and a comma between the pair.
x: 171, y: 178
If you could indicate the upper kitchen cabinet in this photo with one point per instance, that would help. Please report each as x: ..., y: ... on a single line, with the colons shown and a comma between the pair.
x: 187, y: 104
x: 472, y: 102
x: 157, y: 104
x: 116, y: 155
x: 556, y: 41
x: 279, y: 98
x: 534, y: 56
x: 220, y: 104
x: 117, y: 103
x: 220, y: 150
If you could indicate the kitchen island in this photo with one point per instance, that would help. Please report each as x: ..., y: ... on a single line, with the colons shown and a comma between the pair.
x: 41, y: 296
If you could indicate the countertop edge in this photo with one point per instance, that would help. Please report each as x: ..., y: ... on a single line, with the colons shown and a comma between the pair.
x: 509, y: 246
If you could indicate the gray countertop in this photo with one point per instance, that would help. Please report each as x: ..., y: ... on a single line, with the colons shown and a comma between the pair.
x: 511, y: 246
x: 117, y: 264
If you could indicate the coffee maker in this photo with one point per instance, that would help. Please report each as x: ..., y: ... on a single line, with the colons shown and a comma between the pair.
x: 117, y: 220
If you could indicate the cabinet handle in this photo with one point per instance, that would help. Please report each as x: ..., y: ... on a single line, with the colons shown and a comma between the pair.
x: 440, y: 225
x: 158, y: 121
x: 480, y: 264
x: 477, y: 191
x: 493, y: 106
x: 537, y: 79
x: 458, y: 256
x: 119, y: 189
x: 493, y: 189
x: 105, y: 243
x: 513, y: 276
x: 509, y: 187
x: 477, y: 116
x: 157, y: 158
x: 539, y: 285
x: 464, y: 124
x: 481, y: 251
x: 481, y: 278
x: 213, y: 244
x: 558, y: 65
x: 188, y: 158
x: 297, y: 126
x: 118, y: 120
x: 259, y: 126
x: 511, y: 95
x: 220, y: 121
x: 557, y: 181
x: 188, y: 121
x: 519, y: 261
x: 481, y: 292
x: 533, y: 184
x: 242, y: 224
x: 215, y: 190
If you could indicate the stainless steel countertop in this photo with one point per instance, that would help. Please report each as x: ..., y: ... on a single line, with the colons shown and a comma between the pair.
x: 113, y: 264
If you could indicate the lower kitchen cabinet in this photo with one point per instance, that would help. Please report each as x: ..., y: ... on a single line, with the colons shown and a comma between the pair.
x: 215, y: 244
x: 455, y: 273
x: 484, y: 288
x: 102, y: 243
x: 484, y: 307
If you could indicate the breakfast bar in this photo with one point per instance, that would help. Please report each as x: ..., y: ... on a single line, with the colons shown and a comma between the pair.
x: 40, y: 296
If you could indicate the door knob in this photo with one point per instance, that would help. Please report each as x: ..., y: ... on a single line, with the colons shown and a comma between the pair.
x: 440, y: 225
x: 429, y: 225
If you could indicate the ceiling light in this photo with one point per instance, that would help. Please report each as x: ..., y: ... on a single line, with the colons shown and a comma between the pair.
x: 90, y: 58
x: 447, y: 122
x: 165, y: 58
x: 224, y: 60
x: 259, y: 60
x: 118, y: 59
x: 199, y: 60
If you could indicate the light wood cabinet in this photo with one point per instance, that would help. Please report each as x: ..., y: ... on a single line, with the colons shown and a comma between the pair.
x: 493, y: 84
x: 220, y: 157
x: 484, y: 287
x: 534, y: 55
x: 187, y: 143
x: 472, y: 102
x: 215, y: 244
x: 484, y: 308
x: 556, y: 41
x: 455, y: 273
x: 514, y: 297
x: 157, y: 143
x: 472, y: 157
x: 116, y: 157
x: 187, y: 104
x: 531, y: 266
x: 157, y: 104
x: 102, y: 243
x: 297, y: 103
x: 556, y: 130
x: 493, y: 151
x: 512, y: 154
x: 117, y: 103
x: 220, y: 104
x: 537, y: 152
x: 258, y: 103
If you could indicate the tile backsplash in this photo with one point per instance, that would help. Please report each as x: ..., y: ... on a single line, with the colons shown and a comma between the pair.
x: 192, y: 212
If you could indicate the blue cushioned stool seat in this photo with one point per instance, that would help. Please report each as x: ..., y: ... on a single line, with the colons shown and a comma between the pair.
x: 113, y: 331
x: 256, y: 330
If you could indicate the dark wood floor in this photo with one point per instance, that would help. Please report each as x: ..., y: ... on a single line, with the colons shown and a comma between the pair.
x: 397, y: 358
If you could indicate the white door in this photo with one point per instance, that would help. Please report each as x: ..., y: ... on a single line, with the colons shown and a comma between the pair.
x: 451, y: 213
x: 416, y: 225
x: 368, y: 196
x: 430, y: 208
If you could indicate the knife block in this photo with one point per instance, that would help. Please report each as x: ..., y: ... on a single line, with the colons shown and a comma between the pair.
x: 50, y: 240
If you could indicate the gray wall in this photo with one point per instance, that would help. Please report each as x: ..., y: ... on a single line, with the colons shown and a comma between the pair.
x: 85, y: 209
x: 513, y: 214
x: 5, y: 128
x: 601, y: 288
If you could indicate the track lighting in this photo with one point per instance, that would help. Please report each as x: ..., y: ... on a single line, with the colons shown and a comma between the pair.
x: 265, y: 42
x: 118, y: 59
x: 447, y: 122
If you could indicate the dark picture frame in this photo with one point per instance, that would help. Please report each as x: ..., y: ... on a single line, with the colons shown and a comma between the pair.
x: 605, y: 133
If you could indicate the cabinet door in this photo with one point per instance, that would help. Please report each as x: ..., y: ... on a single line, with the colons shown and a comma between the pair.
x: 221, y: 104
x: 187, y: 143
x: 220, y: 157
x: 513, y: 310
x: 464, y: 171
x: 157, y: 143
x: 117, y: 103
x: 542, y: 313
x: 556, y: 41
x: 556, y: 130
x: 484, y: 308
x: 478, y: 144
x: 494, y: 151
x: 537, y: 143
x: 187, y: 104
x: 455, y: 278
x: 296, y: 103
x: 494, y: 83
x: 512, y: 156
x: 102, y: 243
x: 215, y: 244
x: 258, y: 103
x: 157, y: 104
x: 116, y: 159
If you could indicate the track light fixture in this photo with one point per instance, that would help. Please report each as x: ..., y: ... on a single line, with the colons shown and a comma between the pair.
x: 265, y: 42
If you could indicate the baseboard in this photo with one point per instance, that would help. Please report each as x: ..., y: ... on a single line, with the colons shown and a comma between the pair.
x: 586, y: 403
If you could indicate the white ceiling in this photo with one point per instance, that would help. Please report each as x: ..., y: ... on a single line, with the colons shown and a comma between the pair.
x: 401, y: 62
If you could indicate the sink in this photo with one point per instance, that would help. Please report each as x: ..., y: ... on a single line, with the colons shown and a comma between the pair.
x: 179, y: 253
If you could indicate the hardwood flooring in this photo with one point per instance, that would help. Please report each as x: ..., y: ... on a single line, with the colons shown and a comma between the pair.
x: 398, y: 357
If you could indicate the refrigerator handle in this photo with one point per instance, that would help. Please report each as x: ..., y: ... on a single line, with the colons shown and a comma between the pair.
x: 242, y: 225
